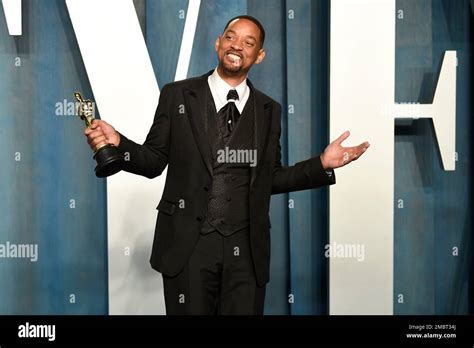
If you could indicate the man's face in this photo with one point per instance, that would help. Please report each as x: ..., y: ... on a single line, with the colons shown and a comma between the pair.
x: 239, y: 47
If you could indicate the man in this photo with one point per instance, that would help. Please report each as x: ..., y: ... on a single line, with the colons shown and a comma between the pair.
x: 219, y: 136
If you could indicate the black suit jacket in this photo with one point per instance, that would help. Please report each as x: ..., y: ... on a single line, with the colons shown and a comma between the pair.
x: 178, y: 139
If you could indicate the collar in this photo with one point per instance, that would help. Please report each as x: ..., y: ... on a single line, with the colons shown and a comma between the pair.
x: 222, y: 88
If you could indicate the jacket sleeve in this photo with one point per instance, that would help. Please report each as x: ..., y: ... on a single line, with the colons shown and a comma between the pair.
x: 151, y: 158
x: 308, y: 174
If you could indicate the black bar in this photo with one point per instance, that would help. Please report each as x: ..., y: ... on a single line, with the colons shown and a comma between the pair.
x: 136, y: 330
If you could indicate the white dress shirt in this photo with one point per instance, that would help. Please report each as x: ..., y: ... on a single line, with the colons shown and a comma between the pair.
x: 220, y: 88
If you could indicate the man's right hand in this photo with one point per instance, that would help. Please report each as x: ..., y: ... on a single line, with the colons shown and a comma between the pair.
x: 101, y: 133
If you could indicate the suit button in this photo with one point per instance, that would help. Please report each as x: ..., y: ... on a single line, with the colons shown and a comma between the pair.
x: 229, y: 199
x: 206, y: 188
x: 199, y: 218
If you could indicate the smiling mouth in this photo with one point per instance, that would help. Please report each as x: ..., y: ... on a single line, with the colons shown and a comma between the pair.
x: 235, y: 58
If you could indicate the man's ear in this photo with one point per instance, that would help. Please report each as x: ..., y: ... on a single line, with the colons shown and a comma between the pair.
x: 261, y: 55
x: 217, y: 43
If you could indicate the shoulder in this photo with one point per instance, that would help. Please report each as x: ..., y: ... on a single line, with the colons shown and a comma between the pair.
x: 262, y: 97
x: 265, y: 99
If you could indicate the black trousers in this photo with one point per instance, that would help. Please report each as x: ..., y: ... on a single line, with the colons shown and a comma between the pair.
x: 219, y: 279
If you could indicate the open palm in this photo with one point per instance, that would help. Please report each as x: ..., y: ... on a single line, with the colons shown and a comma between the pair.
x: 335, y: 155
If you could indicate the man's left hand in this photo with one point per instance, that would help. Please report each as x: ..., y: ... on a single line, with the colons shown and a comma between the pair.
x: 335, y: 155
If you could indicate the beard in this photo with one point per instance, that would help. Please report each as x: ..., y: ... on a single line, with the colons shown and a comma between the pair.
x: 231, y: 67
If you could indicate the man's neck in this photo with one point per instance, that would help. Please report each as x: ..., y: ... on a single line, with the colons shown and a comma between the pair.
x: 231, y: 80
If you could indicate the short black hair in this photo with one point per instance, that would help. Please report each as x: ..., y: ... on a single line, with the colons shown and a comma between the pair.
x: 255, y: 21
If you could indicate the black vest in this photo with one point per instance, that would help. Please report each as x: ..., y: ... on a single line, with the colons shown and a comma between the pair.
x: 228, y: 205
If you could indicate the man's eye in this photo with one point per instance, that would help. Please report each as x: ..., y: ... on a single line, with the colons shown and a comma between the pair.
x: 250, y: 44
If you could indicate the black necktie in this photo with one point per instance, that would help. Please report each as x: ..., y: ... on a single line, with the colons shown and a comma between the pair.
x: 229, y: 114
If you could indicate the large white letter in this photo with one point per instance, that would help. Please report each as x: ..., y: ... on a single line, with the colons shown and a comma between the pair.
x: 362, y: 95
x: 126, y: 92
x: 12, y: 9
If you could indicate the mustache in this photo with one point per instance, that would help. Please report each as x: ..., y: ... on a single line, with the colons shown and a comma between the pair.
x: 234, y: 52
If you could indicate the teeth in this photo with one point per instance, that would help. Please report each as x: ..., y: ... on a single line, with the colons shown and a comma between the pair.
x: 234, y: 57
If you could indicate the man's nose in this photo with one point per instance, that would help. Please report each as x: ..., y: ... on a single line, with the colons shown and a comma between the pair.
x: 236, y: 46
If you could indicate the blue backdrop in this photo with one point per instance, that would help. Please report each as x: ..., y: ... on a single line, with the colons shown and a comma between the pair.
x: 50, y: 197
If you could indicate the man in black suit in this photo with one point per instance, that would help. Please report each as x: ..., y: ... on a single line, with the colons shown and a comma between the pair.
x: 220, y: 138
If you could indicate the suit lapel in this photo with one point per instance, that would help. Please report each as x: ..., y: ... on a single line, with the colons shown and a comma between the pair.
x: 196, y: 103
x: 262, y: 119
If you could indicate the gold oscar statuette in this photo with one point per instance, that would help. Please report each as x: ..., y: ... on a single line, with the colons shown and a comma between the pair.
x: 109, y: 159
